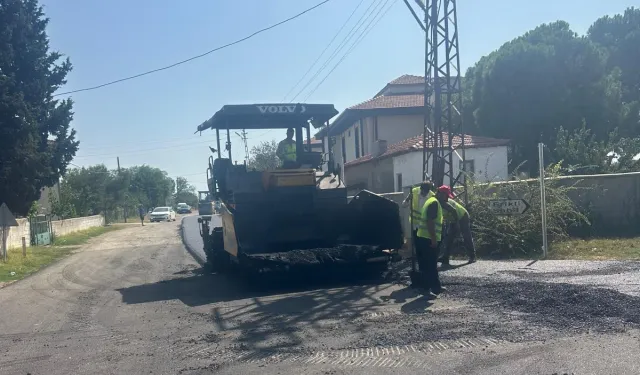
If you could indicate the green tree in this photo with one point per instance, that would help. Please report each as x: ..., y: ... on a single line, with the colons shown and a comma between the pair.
x: 151, y: 186
x: 620, y: 36
x: 185, y: 192
x: 263, y: 156
x: 535, y: 84
x: 89, y: 187
x: 36, y: 141
x: 96, y: 189
x: 63, y: 206
x: 582, y: 153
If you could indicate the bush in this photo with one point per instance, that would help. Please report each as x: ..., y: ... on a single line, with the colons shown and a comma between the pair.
x: 518, y: 235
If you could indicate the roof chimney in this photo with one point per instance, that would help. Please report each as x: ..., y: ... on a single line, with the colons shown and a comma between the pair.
x: 379, y: 147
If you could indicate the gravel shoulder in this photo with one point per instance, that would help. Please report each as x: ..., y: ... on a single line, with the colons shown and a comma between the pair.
x: 135, y: 301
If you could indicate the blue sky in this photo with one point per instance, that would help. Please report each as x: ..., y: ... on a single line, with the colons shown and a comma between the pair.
x: 151, y: 120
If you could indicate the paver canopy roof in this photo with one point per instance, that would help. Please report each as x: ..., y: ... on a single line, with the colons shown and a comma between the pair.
x: 269, y: 116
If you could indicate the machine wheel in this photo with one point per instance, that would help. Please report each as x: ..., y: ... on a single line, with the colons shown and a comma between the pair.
x: 217, y: 258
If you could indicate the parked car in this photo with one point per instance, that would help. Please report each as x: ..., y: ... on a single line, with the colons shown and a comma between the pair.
x: 183, y: 208
x: 163, y: 214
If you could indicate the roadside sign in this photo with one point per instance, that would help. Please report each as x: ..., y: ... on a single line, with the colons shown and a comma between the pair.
x: 508, y: 206
x: 6, y: 217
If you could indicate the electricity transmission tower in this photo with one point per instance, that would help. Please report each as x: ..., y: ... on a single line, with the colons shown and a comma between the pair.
x: 443, y: 140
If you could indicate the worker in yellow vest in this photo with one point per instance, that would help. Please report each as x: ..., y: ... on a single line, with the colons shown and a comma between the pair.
x: 416, y: 200
x: 458, y: 221
x: 428, y: 238
x: 286, y: 151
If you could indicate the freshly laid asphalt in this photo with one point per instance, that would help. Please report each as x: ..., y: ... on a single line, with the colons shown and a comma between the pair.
x: 191, y: 235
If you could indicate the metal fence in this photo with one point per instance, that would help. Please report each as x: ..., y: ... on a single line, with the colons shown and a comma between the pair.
x: 40, y: 230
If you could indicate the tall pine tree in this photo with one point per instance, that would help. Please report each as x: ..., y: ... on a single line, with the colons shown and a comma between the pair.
x: 36, y: 141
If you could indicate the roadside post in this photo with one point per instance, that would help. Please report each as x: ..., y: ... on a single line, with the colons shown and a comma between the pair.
x: 24, y: 247
x: 6, y: 220
x: 543, y: 199
x: 5, y: 234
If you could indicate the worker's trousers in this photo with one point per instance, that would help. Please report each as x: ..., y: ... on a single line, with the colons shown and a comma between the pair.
x: 463, y: 226
x: 428, y: 264
x: 414, y: 235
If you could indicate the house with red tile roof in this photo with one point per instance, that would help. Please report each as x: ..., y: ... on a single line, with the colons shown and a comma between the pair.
x: 378, y: 143
x: 316, y: 144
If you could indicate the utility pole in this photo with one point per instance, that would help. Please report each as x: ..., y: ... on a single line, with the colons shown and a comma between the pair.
x: 124, y: 206
x: 443, y: 133
x: 244, y: 138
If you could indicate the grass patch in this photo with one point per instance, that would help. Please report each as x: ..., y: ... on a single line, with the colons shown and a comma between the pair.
x: 80, y: 237
x: 18, y: 267
x: 597, y: 249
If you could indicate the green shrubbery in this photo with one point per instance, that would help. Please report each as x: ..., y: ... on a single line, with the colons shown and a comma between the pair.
x: 519, y: 235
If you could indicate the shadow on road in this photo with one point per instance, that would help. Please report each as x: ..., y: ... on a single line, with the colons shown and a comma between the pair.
x: 262, y: 323
x: 196, y: 288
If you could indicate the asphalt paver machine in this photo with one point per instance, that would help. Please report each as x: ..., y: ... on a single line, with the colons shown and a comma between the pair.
x: 298, y: 216
x: 205, y: 203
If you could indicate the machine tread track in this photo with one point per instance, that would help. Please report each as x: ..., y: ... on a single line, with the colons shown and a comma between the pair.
x: 217, y: 258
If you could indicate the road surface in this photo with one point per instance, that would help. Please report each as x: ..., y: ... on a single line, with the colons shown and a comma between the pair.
x: 191, y: 235
x: 135, y: 302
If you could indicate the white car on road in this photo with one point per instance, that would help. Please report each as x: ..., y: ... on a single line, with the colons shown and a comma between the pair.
x: 162, y: 214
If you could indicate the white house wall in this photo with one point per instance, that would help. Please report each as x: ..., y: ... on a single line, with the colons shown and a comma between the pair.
x: 325, y: 151
x: 491, y: 164
x: 410, y: 166
x: 393, y: 129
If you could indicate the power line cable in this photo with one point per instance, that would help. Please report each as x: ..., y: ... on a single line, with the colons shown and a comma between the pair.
x: 198, y: 56
x: 323, y: 51
x: 168, y: 146
x: 363, y: 35
x: 169, y: 143
x: 341, y: 46
x: 144, y: 151
x: 164, y: 144
x: 337, y: 50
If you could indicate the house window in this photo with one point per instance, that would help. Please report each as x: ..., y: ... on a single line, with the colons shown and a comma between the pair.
x: 344, y: 151
x: 375, y: 128
x: 398, y: 181
x: 469, y: 166
x: 357, y: 140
